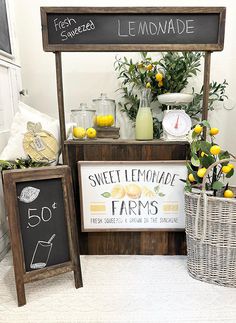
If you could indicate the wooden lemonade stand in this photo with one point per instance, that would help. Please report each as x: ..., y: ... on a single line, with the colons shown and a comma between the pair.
x: 71, y: 29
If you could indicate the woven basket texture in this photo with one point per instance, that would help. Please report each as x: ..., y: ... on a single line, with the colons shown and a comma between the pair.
x: 211, y: 238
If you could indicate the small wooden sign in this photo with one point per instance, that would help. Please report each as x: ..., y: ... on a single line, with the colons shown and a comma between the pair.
x: 40, y: 209
x: 132, y: 196
x: 133, y: 29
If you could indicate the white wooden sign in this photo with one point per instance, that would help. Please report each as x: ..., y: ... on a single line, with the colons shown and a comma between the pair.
x: 132, y: 196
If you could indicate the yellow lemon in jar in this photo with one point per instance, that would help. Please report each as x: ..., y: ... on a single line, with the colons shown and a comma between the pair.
x: 79, y: 132
x: 214, y: 131
x: 110, y: 120
x: 215, y: 150
x: 91, y: 133
x: 198, y: 129
x: 228, y: 193
x: 201, y: 172
x: 191, y: 177
x: 226, y: 169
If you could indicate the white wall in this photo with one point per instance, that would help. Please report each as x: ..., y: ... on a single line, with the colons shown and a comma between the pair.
x: 88, y: 74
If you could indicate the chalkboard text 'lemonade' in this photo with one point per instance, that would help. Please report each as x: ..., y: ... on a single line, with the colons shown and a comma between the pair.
x: 144, y: 120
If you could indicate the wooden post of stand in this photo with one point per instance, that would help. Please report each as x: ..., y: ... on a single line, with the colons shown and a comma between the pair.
x: 60, y: 99
x: 206, y: 87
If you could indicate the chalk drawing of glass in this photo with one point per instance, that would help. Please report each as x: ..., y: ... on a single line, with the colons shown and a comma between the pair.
x: 41, y: 253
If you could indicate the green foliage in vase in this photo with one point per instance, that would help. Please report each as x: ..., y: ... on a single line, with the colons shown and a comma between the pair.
x: 171, y: 73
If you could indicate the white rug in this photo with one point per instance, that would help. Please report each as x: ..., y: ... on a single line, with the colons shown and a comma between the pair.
x: 120, y: 289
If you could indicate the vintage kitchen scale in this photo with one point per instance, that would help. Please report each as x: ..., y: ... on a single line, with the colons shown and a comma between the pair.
x: 176, y: 122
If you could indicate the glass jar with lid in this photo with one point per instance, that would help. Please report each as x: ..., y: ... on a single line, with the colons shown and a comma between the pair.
x: 83, y: 119
x: 105, y: 111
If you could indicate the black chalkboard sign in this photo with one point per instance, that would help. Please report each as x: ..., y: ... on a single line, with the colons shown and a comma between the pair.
x: 42, y: 223
x: 5, y: 44
x: 121, y: 29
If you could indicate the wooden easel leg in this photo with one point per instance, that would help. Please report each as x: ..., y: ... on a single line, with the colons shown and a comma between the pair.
x: 78, y: 278
x: 20, y: 289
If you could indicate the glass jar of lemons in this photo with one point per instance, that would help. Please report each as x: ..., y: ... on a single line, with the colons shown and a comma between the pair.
x: 83, y: 120
x: 105, y: 111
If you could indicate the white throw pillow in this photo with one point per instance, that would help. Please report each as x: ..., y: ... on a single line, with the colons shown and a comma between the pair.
x: 14, y: 148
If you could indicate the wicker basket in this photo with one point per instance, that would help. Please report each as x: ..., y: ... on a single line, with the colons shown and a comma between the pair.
x: 211, y: 236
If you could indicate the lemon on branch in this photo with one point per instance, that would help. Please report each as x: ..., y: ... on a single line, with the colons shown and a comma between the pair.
x: 201, y: 172
x: 215, y: 150
x: 198, y: 129
x: 214, y: 131
x: 191, y: 177
x: 228, y: 193
x: 226, y: 169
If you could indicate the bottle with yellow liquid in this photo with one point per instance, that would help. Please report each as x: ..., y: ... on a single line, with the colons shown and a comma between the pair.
x: 144, y: 120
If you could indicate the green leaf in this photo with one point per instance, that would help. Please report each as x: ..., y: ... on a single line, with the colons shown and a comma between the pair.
x: 156, y: 189
x: 205, y: 147
x: 207, y: 160
x: 206, y: 124
x: 217, y: 185
x: 230, y: 173
x: 224, y: 155
x: 106, y: 194
x: 195, y: 161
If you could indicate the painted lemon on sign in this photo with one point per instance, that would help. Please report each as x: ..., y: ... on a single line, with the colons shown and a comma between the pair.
x: 133, y: 191
x: 118, y: 191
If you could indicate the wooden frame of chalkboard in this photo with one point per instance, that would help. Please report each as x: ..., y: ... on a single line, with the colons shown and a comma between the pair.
x: 40, y: 209
x: 95, y: 29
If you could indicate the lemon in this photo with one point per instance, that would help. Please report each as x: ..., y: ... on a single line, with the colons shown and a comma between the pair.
x: 214, y: 131
x: 118, y: 191
x: 231, y: 165
x: 228, y: 193
x: 203, y: 154
x: 215, y: 150
x: 226, y: 169
x: 91, y: 133
x: 110, y: 120
x: 198, y: 129
x: 149, y: 67
x: 159, y: 77
x: 201, y: 172
x: 191, y: 178
x: 79, y: 132
x: 148, y: 85
x: 160, y: 84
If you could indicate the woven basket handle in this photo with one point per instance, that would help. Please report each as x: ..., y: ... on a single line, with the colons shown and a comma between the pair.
x: 204, y: 195
x: 211, y: 167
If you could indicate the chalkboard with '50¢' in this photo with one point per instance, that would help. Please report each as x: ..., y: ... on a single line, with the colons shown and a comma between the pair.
x: 43, y: 224
x: 129, y: 29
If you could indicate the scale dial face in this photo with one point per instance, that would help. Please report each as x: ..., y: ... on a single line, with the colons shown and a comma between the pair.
x: 177, y: 123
